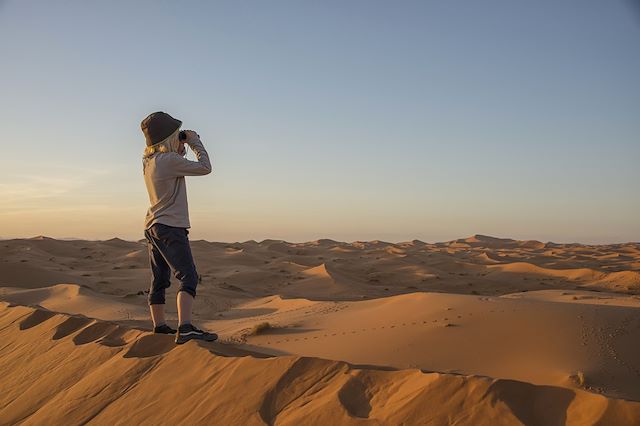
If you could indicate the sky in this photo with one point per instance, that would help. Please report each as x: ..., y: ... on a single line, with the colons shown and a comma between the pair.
x: 350, y: 120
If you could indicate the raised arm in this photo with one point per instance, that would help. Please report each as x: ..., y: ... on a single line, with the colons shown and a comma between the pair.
x: 180, y: 166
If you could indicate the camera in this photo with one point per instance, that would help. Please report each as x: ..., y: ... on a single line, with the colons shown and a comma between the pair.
x: 182, y: 135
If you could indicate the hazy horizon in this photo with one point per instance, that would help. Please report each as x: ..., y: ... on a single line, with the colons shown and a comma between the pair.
x: 259, y: 240
x: 353, y: 121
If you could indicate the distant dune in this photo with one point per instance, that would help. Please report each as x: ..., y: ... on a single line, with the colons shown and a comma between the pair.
x: 479, y: 330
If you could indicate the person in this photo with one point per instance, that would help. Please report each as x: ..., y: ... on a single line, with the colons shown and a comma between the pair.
x: 166, y: 225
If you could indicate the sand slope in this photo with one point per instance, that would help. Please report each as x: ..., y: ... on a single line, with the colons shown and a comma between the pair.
x: 532, y: 340
x: 478, y: 330
x: 83, y: 370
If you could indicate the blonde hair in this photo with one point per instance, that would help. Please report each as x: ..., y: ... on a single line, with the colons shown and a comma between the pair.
x: 170, y: 144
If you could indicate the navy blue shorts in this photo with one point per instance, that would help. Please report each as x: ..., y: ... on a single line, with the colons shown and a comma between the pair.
x: 169, y: 249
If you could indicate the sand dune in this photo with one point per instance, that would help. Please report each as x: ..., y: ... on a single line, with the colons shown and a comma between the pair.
x: 480, y: 330
x: 510, y: 338
x: 578, y: 296
x: 585, y: 274
x: 74, y: 299
x: 32, y: 276
x: 85, y: 370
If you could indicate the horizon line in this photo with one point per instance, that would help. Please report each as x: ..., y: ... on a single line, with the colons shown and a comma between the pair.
x: 460, y: 240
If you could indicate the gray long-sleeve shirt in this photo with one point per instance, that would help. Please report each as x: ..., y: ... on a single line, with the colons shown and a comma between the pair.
x: 164, y: 177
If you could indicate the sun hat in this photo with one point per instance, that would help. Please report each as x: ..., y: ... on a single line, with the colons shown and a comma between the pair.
x: 158, y: 126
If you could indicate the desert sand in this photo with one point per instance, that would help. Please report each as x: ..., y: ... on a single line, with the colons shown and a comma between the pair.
x: 480, y: 330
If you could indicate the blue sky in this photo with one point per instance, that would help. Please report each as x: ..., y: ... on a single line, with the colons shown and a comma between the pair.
x: 351, y: 120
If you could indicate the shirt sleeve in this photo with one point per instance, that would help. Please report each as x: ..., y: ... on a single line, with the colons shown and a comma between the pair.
x: 180, y: 166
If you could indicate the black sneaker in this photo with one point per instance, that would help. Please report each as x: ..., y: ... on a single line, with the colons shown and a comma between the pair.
x: 190, y: 332
x: 163, y: 329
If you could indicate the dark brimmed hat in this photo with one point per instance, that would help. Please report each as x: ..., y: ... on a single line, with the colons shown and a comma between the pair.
x: 158, y: 126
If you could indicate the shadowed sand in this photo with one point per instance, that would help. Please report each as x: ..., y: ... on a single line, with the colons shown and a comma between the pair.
x: 479, y: 330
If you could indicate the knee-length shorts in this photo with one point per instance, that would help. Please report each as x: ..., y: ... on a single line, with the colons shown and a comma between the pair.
x: 169, y: 250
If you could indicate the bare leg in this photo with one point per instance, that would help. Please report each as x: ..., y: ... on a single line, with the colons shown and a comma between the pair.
x: 157, y: 314
x: 185, y: 304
